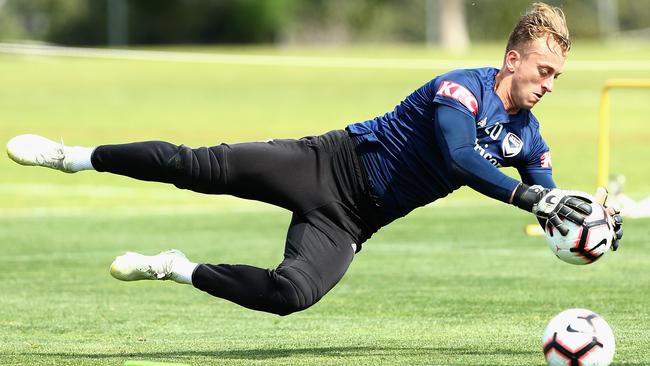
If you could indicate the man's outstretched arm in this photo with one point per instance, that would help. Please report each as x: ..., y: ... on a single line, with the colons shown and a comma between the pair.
x: 456, y: 135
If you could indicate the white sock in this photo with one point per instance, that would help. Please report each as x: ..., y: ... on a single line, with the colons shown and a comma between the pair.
x: 79, y: 157
x: 183, y: 271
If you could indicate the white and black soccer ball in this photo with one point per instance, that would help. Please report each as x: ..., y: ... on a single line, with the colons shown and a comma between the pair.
x: 578, y: 337
x: 584, y: 243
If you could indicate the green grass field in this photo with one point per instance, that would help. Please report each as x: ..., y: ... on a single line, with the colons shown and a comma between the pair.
x: 455, y: 283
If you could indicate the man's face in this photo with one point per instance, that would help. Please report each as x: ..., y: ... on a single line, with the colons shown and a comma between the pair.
x: 540, y: 63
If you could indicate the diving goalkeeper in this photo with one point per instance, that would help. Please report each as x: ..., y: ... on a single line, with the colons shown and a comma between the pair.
x: 456, y: 130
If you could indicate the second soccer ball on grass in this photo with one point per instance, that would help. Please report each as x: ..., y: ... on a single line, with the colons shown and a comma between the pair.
x: 578, y: 337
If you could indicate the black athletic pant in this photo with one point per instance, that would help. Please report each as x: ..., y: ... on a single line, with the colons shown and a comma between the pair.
x: 318, y: 178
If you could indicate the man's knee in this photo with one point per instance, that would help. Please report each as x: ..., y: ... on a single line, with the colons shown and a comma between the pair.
x: 298, y: 291
x: 196, y: 169
x: 290, y: 308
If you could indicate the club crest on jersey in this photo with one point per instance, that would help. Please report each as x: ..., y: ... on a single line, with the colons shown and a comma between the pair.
x: 546, y: 160
x: 459, y: 93
x: 512, y: 145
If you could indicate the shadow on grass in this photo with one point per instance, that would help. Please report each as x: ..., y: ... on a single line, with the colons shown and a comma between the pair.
x: 269, y: 354
x: 264, y: 354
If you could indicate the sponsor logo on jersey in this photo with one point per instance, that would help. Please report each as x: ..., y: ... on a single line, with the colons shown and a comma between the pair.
x: 511, y: 145
x: 485, y: 154
x: 459, y: 93
x: 546, y: 160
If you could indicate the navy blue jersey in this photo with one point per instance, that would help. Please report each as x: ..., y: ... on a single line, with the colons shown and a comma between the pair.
x: 429, y: 145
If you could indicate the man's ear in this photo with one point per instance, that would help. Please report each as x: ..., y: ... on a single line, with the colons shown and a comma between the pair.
x: 512, y: 59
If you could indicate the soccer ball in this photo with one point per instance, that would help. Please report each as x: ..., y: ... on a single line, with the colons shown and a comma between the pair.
x: 584, y: 243
x: 578, y: 337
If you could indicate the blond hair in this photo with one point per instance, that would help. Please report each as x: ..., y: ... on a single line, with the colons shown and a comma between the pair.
x: 542, y: 21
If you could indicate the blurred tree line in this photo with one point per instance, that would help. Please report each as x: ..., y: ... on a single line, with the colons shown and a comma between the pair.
x: 99, y: 22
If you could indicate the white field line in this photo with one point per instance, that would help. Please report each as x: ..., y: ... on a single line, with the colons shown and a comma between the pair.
x: 72, y: 201
x: 180, y: 209
x: 52, y: 256
x: 236, y: 59
x: 94, y: 190
x: 138, y: 210
x: 293, y: 61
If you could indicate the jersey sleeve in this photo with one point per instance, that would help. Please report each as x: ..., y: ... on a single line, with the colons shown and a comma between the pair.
x: 459, y: 89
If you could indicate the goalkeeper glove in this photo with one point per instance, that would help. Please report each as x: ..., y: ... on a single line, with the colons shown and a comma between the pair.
x: 553, y: 205
x: 617, y: 219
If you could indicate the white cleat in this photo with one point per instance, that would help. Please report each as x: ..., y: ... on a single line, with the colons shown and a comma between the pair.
x: 34, y: 150
x: 134, y: 266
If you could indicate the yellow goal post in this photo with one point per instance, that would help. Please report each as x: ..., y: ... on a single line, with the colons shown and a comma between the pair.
x: 603, y: 158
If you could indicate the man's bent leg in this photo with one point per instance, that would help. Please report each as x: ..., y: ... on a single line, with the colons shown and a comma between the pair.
x: 314, y: 263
